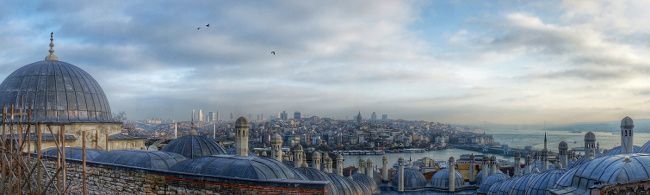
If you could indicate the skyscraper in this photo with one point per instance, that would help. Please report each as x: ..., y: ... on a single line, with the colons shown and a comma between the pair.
x: 210, y: 117
x: 384, y: 117
x: 297, y: 115
x: 373, y: 116
x: 201, y: 116
x: 283, y: 115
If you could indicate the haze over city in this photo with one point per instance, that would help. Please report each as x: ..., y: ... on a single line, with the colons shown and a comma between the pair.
x: 449, y: 61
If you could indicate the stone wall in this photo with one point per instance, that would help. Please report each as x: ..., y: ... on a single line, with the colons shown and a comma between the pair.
x: 115, y: 179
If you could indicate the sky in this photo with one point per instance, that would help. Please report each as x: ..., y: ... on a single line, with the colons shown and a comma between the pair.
x: 452, y: 61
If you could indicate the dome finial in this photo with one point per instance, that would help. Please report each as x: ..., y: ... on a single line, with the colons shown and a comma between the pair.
x: 52, y: 56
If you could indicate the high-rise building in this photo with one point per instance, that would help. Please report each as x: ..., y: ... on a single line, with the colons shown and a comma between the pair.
x: 359, y: 118
x: 210, y: 117
x: 297, y: 115
x: 283, y: 115
x: 373, y: 116
x: 384, y: 117
x: 201, y: 116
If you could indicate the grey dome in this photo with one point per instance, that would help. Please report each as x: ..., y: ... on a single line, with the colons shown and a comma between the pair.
x: 540, y: 184
x: 141, y: 158
x: 645, y: 148
x: 194, y: 146
x: 619, y: 150
x: 563, y: 146
x: 317, y: 175
x: 343, y: 186
x: 58, y: 92
x: 249, y: 167
x: 485, y: 171
x: 502, y: 187
x: 413, y: 179
x: 520, y: 184
x: 440, y: 179
x: 566, y: 179
x: 358, y: 187
x: 622, y: 168
x: 491, y: 180
x: 366, y: 181
x: 74, y: 153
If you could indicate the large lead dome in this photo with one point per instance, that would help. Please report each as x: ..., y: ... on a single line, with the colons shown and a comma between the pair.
x: 58, y: 91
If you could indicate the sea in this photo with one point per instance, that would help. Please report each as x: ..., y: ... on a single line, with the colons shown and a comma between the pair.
x: 514, y: 138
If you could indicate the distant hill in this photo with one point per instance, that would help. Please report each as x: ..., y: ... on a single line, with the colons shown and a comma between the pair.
x: 640, y: 125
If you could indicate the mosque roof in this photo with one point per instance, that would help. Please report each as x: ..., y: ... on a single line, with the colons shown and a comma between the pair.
x: 194, y: 146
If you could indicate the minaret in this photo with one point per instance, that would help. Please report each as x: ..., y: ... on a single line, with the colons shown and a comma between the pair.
x: 627, y: 127
x: 175, y: 130
x: 362, y: 166
x: 339, y: 164
x: 590, y: 141
x: 452, y: 174
x: 276, y: 147
x: 51, y: 56
x: 485, y: 168
x: 241, y: 141
x: 545, y: 154
x: 384, y: 168
x: 471, y: 167
x: 369, y: 171
x: 297, y: 156
x: 328, y: 163
x: 563, y: 149
x: 400, y: 177
x: 516, y: 165
x: 316, y: 160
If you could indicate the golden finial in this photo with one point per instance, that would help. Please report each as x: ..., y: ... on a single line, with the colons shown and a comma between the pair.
x: 51, y: 56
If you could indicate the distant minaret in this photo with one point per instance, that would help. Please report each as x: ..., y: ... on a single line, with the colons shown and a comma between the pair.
x: 241, y: 140
x: 316, y: 160
x: 369, y: 171
x: 528, y: 163
x: 516, y: 165
x: 545, y: 154
x: 590, y: 141
x: 493, y: 162
x: 627, y: 126
x: 472, y: 163
x: 563, y: 149
x: 175, y: 130
x: 339, y: 164
x: 485, y: 168
x: 400, y: 176
x: 362, y: 166
x: 276, y: 147
x: 384, y: 168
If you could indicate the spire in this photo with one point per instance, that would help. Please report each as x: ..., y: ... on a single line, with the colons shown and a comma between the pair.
x: 52, y: 56
x: 545, y: 142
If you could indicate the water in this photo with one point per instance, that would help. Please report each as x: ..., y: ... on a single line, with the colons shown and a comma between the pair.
x: 514, y: 138
x: 353, y: 160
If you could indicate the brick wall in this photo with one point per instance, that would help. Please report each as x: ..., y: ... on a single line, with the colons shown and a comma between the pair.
x: 115, y: 179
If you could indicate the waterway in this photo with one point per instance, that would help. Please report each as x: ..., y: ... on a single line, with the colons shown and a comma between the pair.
x: 444, y: 155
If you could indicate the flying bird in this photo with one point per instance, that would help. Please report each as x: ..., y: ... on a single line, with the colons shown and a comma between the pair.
x: 273, y: 52
x: 199, y: 28
x: 207, y: 25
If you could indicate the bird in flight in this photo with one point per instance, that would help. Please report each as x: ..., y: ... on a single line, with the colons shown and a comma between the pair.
x: 207, y: 25
x: 198, y: 28
x: 273, y: 52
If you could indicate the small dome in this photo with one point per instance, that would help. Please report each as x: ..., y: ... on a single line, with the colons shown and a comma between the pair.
x: 627, y: 123
x: 502, y: 187
x: 521, y: 184
x: 590, y: 136
x: 566, y: 179
x: 440, y: 179
x: 315, y: 175
x: 645, y: 148
x: 194, y: 146
x: 74, y: 153
x: 485, y: 171
x: 249, y: 167
x: 276, y: 137
x: 619, y: 150
x: 366, y: 181
x: 241, y: 122
x: 343, y: 186
x: 298, y: 147
x: 622, y: 169
x: 491, y: 180
x: 563, y: 146
x: 544, y: 181
x: 413, y: 179
x: 141, y: 158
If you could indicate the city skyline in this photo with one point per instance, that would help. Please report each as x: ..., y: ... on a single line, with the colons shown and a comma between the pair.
x: 448, y: 61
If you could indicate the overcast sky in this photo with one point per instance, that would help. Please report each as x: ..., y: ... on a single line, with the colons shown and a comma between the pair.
x: 449, y: 61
